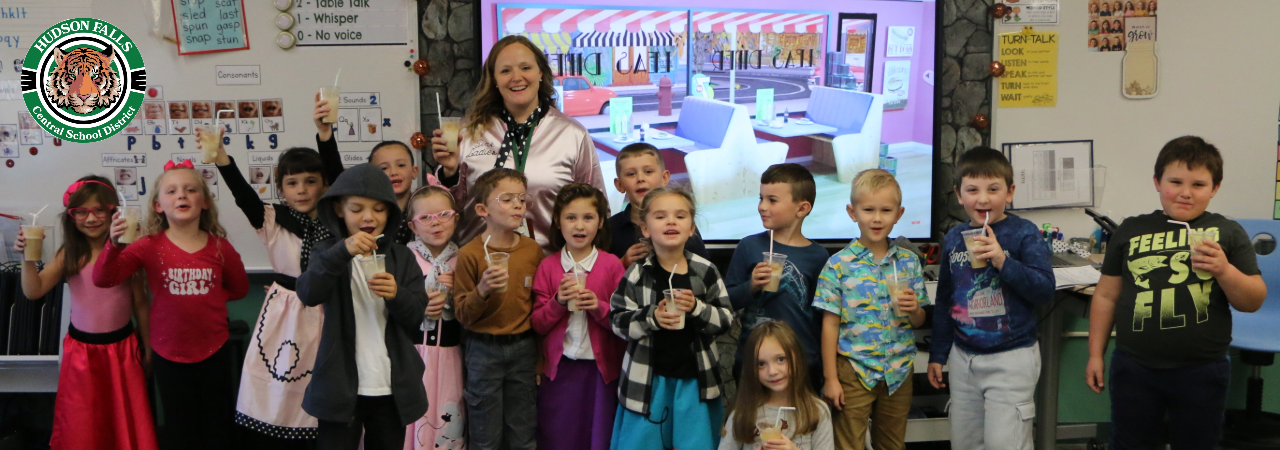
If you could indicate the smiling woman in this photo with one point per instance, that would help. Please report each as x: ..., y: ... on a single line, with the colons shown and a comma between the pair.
x: 513, y: 123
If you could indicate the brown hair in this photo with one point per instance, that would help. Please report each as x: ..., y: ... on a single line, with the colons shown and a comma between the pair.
x: 567, y: 195
x: 299, y: 160
x: 796, y: 176
x: 638, y: 149
x: 655, y: 194
x: 489, y: 181
x: 752, y: 395
x: 873, y: 180
x: 384, y: 144
x: 427, y: 191
x: 1195, y: 153
x: 76, y: 248
x: 983, y: 162
x: 487, y: 104
x: 157, y: 222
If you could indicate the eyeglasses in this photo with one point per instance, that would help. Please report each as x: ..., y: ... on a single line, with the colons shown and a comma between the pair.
x: 81, y: 214
x: 442, y: 216
x: 508, y: 199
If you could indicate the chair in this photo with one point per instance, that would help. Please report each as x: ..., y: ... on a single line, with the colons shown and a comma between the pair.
x: 609, y: 171
x: 726, y: 160
x: 1254, y: 334
x: 857, y: 117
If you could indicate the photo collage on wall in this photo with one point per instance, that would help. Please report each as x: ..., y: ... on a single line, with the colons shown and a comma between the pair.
x: 1107, y: 21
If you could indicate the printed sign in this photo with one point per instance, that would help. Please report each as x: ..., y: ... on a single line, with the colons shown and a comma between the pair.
x: 205, y: 26
x: 901, y: 42
x: 1031, y: 69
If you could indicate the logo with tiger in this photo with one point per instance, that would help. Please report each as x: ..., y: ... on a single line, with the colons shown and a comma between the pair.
x: 83, y: 80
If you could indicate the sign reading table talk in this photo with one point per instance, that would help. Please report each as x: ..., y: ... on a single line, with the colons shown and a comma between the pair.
x: 1031, y: 69
x: 205, y: 26
x: 352, y: 22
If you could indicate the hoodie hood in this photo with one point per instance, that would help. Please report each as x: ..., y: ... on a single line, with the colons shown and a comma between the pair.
x: 364, y: 180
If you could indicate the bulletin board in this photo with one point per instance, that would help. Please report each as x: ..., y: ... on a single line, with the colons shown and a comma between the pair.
x: 273, y: 88
x: 1226, y: 94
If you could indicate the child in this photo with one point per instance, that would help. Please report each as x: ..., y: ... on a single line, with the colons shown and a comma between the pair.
x: 1172, y: 362
x: 640, y: 170
x: 867, y: 341
x: 777, y: 380
x: 283, y: 346
x: 100, y: 343
x: 494, y: 304
x: 367, y: 374
x: 434, y: 216
x: 986, y: 299
x: 787, y: 193
x: 193, y: 271
x: 671, y: 383
x: 397, y: 162
x: 578, y: 400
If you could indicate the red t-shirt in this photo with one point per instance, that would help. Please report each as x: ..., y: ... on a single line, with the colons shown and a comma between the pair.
x: 189, y: 291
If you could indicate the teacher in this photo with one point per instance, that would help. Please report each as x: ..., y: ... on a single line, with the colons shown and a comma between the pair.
x: 513, y: 123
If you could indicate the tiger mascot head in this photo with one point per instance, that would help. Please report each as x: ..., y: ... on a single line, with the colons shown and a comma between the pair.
x: 84, y: 80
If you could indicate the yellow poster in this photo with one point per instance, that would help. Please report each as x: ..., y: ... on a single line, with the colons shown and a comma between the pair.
x: 1031, y: 69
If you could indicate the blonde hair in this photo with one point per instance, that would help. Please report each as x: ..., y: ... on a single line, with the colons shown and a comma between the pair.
x: 647, y: 203
x: 487, y: 104
x: 157, y: 222
x: 871, y: 181
x: 752, y: 394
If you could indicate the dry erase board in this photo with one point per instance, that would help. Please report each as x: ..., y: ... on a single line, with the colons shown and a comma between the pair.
x: 271, y: 91
x: 1222, y: 88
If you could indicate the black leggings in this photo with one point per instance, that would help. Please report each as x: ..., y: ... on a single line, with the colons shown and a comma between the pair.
x: 198, y: 401
x: 376, y: 417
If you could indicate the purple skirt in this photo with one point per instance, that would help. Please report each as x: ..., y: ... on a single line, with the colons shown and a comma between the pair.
x: 576, y: 409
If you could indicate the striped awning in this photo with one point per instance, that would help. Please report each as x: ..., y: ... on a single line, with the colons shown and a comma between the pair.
x: 515, y: 20
x: 758, y: 22
x: 551, y: 43
x: 611, y: 39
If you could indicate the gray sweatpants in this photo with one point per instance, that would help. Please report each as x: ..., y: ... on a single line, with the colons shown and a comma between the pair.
x: 993, y: 398
x: 501, y: 394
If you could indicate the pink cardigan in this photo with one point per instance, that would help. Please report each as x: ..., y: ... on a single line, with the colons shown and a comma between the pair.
x: 551, y: 319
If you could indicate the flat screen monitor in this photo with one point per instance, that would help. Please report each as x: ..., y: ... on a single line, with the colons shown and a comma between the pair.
x: 729, y: 87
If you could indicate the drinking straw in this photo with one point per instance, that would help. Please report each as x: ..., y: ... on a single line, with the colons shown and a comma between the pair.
x: 378, y: 237
x: 438, y: 113
x: 1179, y: 222
x: 487, y: 259
x: 37, y: 214
x: 672, y: 277
x: 335, y: 77
x: 770, y: 247
x: 777, y: 417
x: 218, y: 119
x: 986, y: 218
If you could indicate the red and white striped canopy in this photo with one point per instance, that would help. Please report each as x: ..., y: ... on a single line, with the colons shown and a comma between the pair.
x: 757, y: 22
x: 551, y: 20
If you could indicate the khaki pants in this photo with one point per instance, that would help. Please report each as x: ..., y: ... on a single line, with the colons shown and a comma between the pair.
x: 888, y: 413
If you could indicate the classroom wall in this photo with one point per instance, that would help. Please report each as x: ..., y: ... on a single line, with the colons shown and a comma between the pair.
x: 1223, y: 91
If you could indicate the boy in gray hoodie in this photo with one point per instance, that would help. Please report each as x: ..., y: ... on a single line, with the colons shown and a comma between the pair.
x: 368, y: 377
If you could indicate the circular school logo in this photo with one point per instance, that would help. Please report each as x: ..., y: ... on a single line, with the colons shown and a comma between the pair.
x: 83, y: 80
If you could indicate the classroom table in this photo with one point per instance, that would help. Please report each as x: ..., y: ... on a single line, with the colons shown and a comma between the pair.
x: 606, y: 139
x: 793, y: 129
x: 1051, y: 335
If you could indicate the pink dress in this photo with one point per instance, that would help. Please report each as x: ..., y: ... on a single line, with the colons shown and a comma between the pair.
x: 102, y: 394
x: 444, y: 424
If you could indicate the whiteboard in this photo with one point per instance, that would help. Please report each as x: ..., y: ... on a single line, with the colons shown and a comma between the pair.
x: 1218, y: 80
x: 376, y: 72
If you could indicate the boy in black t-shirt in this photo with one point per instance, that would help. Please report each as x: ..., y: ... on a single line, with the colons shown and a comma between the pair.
x: 1171, y: 306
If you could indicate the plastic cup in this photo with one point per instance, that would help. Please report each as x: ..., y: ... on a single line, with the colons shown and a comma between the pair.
x: 896, y: 289
x: 499, y: 259
x: 670, y: 295
x: 35, y: 242
x: 372, y: 265
x: 131, y: 225
x: 451, y: 126
x: 209, y: 141
x: 1195, y: 238
x: 776, y: 264
x: 970, y: 243
x: 769, y: 433
x: 432, y: 290
x: 330, y: 95
x: 579, y: 282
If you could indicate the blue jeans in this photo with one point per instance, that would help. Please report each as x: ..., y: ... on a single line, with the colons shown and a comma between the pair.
x: 1193, y: 398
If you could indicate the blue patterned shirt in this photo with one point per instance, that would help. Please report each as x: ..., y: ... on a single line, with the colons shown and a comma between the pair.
x: 880, y: 345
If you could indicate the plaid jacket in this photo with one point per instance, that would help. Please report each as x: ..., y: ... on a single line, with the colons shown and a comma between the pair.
x: 631, y: 313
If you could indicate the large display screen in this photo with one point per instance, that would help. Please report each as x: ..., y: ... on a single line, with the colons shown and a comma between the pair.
x: 853, y: 77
